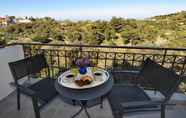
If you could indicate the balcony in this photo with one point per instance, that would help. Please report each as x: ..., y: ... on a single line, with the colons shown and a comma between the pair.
x: 61, y: 57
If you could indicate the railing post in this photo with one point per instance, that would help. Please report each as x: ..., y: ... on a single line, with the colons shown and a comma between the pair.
x: 114, y: 59
x: 81, y: 50
x: 133, y: 59
x: 105, y: 59
x: 51, y: 62
x: 183, y: 66
x: 164, y: 56
x: 173, y: 62
x: 65, y: 59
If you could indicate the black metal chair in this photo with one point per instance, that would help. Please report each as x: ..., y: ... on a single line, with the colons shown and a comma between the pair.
x: 124, y: 69
x: 42, y: 91
x: 132, y: 98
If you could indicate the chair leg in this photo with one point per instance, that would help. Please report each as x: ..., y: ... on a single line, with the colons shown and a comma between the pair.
x: 101, y: 100
x: 18, y: 99
x: 155, y: 92
x: 36, y: 107
x: 74, y: 102
x: 163, y: 111
x: 118, y: 115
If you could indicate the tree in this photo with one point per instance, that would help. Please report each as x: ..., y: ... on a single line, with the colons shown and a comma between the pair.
x: 117, y: 24
x: 131, y: 36
x: 11, y: 19
x: 2, y: 39
x: 58, y: 36
x: 41, y: 38
x: 32, y: 19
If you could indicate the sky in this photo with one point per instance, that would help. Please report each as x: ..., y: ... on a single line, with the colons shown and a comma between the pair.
x: 90, y: 9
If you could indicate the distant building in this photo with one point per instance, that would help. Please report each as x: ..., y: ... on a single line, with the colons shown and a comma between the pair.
x: 3, y: 21
x: 23, y: 20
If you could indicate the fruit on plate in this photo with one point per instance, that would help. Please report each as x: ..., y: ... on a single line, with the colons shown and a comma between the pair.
x: 85, y: 80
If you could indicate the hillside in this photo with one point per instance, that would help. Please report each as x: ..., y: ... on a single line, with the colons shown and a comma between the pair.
x: 165, y: 30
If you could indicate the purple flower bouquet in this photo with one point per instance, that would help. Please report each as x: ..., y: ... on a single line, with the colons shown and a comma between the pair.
x: 83, y: 63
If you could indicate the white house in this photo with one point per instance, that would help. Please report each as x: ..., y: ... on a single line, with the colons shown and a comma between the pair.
x: 23, y: 20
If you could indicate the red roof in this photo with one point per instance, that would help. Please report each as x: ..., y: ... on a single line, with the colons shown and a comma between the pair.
x: 2, y: 17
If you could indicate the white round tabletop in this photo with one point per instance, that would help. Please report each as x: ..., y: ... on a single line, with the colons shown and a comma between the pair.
x: 67, y: 79
x: 85, y: 94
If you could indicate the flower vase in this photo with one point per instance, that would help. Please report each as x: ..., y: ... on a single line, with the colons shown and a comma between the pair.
x: 82, y: 70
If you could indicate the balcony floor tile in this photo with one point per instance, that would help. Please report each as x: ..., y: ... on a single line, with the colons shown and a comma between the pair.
x: 59, y: 109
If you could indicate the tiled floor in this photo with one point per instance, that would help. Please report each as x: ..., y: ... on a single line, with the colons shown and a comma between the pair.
x: 59, y: 109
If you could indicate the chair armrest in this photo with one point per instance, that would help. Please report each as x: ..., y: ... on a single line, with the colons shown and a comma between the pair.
x: 23, y: 89
x: 126, y: 71
x: 145, y: 103
x: 141, y: 103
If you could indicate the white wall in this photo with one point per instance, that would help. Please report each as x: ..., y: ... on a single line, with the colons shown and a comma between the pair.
x: 8, y: 54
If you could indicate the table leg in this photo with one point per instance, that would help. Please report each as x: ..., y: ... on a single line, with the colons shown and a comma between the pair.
x: 74, y: 102
x: 81, y: 109
x: 101, y: 100
x: 83, y: 106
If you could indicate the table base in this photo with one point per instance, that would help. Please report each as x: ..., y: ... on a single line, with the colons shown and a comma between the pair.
x: 83, y: 104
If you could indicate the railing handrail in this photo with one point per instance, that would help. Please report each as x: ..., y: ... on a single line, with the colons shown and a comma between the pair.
x: 6, y: 45
x: 100, y: 46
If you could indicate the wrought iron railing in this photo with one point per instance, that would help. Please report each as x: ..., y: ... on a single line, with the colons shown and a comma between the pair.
x: 61, y: 56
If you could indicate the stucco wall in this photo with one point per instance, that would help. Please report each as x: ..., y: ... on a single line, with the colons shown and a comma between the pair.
x: 8, y: 54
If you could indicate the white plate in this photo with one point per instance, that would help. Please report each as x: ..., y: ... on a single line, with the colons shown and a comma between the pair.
x: 69, y: 82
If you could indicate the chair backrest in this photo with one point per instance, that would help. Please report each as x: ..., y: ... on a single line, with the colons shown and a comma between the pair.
x: 37, y: 63
x: 27, y: 66
x: 162, y: 79
x: 19, y: 69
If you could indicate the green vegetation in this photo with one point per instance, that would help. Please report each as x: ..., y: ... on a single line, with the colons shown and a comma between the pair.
x: 166, y: 30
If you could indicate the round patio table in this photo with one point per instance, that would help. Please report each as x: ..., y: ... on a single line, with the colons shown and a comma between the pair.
x: 84, y: 95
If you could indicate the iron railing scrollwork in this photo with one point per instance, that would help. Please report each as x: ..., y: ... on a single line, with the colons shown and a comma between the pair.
x: 62, y: 56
